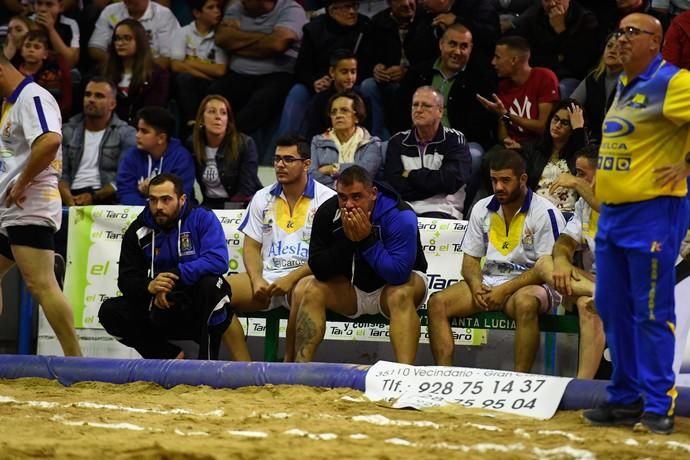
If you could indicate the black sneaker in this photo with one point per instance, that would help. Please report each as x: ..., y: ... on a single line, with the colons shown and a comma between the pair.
x: 614, y: 414
x: 654, y: 423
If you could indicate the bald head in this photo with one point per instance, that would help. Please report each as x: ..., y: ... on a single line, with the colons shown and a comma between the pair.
x: 639, y: 41
x: 645, y: 21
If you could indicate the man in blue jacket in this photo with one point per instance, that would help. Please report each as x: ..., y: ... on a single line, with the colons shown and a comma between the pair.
x: 156, y: 152
x: 366, y: 258
x: 172, y: 262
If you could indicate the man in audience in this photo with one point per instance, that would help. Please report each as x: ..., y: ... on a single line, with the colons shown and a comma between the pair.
x: 429, y: 164
x: 525, y: 94
x: 92, y: 144
x: 160, y: 24
x: 63, y: 32
x: 564, y: 37
x: 196, y: 59
x: 156, y: 152
x: 574, y: 282
x: 367, y: 258
x: 458, y: 77
x: 512, y: 228
x: 277, y: 230
x: 261, y: 39
x: 172, y: 261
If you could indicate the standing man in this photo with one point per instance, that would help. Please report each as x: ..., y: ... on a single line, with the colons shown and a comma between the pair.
x: 367, y: 259
x: 641, y: 184
x: 171, y: 268
x: 277, y: 230
x: 93, y: 143
x: 30, y: 208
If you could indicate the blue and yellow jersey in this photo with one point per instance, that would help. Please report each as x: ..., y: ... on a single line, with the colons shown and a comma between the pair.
x: 645, y: 128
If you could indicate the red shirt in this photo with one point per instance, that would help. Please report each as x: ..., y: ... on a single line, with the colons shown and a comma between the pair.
x: 524, y: 100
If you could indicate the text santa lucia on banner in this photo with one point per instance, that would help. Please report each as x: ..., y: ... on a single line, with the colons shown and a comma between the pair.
x: 532, y: 395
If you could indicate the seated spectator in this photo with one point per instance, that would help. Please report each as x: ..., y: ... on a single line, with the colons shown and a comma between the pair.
x: 512, y: 229
x: 130, y: 65
x: 667, y: 10
x: 226, y: 160
x: 156, y: 152
x: 596, y: 92
x: 360, y: 271
x: 429, y: 164
x: 576, y: 284
x: 92, y: 144
x: 510, y: 10
x: 554, y: 153
x: 63, y: 32
x: 346, y: 143
x: 393, y: 33
x: 196, y: 59
x: 157, y: 20
x: 564, y: 37
x: 459, y: 78
x: 480, y: 16
x: 38, y: 61
x: 343, y: 73
x: 277, y: 230
x: 676, y: 48
x: 261, y: 40
x: 526, y: 95
x: 342, y: 27
x: 18, y: 27
x: 172, y: 261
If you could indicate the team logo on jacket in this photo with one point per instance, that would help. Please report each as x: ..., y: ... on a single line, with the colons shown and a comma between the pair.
x: 186, y: 247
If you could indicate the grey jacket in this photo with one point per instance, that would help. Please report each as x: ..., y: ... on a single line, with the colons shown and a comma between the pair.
x: 117, y: 139
x: 369, y: 155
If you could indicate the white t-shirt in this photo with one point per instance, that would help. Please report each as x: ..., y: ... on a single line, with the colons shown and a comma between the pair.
x: 582, y: 227
x: 160, y: 24
x: 532, y: 234
x: 284, y: 237
x: 28, y: 113
x: 88, y: 173
x: 188, y: 43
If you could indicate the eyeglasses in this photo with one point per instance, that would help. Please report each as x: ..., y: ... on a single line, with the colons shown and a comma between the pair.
x: 344, y: 6
x: 630, y: 32
x: 341, y: 110
x: 422, y: 105
x: 287, y: 160
x: 562, y: 121
x: 123, y: 38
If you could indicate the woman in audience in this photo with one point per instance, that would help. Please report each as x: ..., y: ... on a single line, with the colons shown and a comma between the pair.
x: 554, y: 153
x: 346, y: 143
x: 226, y: 160
x: 595, y: 93
x: 130, y: 66
x: 17, y: 29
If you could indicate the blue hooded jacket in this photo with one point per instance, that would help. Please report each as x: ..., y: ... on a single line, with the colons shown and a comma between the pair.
x: 138, y: 164
x: 194, y: 247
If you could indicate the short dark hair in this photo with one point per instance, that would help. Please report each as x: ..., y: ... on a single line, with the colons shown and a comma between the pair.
x: 168, y: 177
x: 38, y: 35
x: 158, y: 118
x: 589, y: 151
x: 507, y: 159
x: 107, y: 81
x: 197, y: 5
x: 358, y: 104
x: 355, y: 173
x: 300, y: 142
x: 339, y: 55
x: 515, y: 43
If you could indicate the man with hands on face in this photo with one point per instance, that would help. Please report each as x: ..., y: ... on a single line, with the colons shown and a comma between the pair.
x: 367, y: 258
x: 277, y: 229
x: 171, y: 268
x: 512, y: 228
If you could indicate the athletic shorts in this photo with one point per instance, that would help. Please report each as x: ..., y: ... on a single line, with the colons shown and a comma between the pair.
x: 33, y: 236
x: 553, y: 297
x: 42, y: 207
x: 369, y: 303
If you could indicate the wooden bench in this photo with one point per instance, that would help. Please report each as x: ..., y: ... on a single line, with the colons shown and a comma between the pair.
x: 488, y: 320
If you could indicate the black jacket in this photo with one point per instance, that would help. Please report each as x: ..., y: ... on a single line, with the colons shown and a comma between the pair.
x: 385, y: 34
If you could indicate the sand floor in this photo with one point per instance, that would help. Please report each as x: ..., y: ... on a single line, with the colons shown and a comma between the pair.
x: 42, y: 419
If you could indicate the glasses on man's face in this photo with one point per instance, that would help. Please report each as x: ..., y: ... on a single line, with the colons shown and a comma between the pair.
x: 346, y: 6
x: 630, y: 32
x: 287, y: 160
x: 341, y: 111
x: 123, y: 38
x: 561, y: 121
